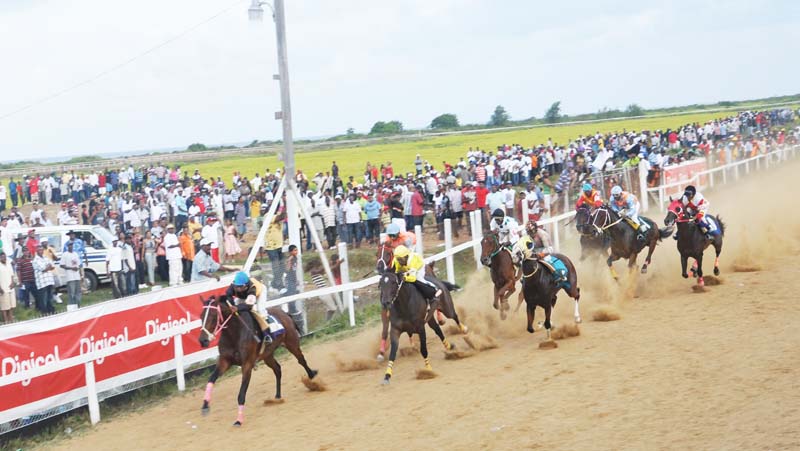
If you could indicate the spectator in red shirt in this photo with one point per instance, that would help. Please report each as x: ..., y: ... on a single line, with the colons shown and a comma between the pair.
x: 417, y: 203
x: 32, y: 243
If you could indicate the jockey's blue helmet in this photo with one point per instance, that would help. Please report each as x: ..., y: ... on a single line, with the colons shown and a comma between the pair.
x: 616, y: 191
x: 240, y: 279
x: 587, y: 187
x: 393, y: 229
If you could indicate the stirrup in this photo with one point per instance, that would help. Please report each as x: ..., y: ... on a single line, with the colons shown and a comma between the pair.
x: 267, y: 336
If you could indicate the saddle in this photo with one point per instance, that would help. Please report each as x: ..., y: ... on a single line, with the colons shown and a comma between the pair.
x: 557, y: 269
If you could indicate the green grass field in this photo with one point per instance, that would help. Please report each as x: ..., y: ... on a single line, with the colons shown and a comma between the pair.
x: 352, y: 160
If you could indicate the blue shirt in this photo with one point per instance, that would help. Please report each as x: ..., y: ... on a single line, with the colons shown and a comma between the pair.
x: 180, y: 205
x: 78, y: 246
x: 203, y: 262
x: 373, y: 209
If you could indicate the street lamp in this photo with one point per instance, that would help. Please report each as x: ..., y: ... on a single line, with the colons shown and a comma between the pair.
x: 256, y: 13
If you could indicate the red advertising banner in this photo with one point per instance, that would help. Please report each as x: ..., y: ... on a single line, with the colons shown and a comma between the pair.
x: 684, y: 172
x: 59, y: 337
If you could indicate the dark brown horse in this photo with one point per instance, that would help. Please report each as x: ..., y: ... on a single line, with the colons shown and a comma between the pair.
x: 408, y: 313
x: 623, y: 237
x: 592, y: 243
x: 445, y: 307
x: 501, y: 267
x: 540, y: 289
x: 692, y: 242
x: 240, y: 344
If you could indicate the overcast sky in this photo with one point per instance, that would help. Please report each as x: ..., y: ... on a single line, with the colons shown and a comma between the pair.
x: 353, y: 62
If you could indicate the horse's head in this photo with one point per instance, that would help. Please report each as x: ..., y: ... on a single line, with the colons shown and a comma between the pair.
x: 675, y: 211
x: 600, y: 218
x: 583, y: 220
x: 490, y: 246
x: 389, y: 286
x: 384, y: 256
x: 212, y: 320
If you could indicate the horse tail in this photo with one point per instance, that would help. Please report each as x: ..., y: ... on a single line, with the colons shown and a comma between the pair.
x: 450, y: 286
x: 664, y: 233
x: 721, y: 225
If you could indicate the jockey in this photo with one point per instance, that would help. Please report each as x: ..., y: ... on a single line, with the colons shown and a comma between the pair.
x: 411, y: 265
x: 626, y: 205
x: 396, y: 237
x: 534, y: 244
x: 696, y: 204
x: 245, y: 292
x: 506, y: 227
x: 590, y: 197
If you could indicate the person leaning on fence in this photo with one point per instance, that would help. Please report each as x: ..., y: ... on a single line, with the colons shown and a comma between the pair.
x: 204, y: 267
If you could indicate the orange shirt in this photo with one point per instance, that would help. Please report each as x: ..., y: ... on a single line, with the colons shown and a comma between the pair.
x: 187, y: 246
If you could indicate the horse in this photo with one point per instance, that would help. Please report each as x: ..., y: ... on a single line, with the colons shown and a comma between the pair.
x: 504, y: 274
x: 446, y: 309
x: 623, y: 237
x: 539, y: 288
x: 408, y: 313
x: 240, y: 344
x: 692, y: 242
x: 591, y: 243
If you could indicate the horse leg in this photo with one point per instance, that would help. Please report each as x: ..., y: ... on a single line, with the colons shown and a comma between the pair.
x: 270, y: 361
x: 611, y: 259
x: 438, y: 331
x: 531, y: 309
x: 423, y: 347
x: 293, y: 346
x: 699, y: 261
x: 247, y: 371
x: 222, y: 367
x: 649, y: 256
x: 684, y: 262
x: 548, y: 309
x: 718, y: 250
x: 384, y: 333
x: 395, y: 338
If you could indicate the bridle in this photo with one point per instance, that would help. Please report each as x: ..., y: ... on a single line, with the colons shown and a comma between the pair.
x: 396, y: 293
x: 607, y: 224
x: 214, y: 305
x: 382, y: 260
x: 497, y: 247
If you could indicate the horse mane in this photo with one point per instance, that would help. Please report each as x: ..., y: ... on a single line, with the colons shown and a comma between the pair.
x: 721, y: 225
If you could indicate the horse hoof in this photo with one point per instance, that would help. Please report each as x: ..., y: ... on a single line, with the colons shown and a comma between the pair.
x: 205, y: 411
x: 503, y: 315
x: 685, y: 276
x: 531, y: 330
x: 380, y: 358
x: 577, y: 319
x: 716, y: 271
x: 237, y: 423
x: 385, y: 382
x: 644, y: 270
x: 313, y: 374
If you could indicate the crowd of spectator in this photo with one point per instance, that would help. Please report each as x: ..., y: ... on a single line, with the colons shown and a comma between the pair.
x: 170, y: 226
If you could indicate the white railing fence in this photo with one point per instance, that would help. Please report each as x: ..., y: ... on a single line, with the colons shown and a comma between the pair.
x: 555, y: 224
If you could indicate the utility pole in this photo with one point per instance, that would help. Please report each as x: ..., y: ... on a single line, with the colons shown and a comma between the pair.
x: 285, y: 115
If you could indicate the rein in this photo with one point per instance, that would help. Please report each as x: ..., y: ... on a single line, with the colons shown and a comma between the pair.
x: 220, y: 323
x: 535, y: 270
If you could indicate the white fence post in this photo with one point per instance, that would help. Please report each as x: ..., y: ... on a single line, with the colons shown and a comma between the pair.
x: 555, y: 236
x: 747, y: 166
x: 644, y: 198
x: 91, y: 393
x: 725, y: 175
x: 525, y: 209
x: 179, y: 373
x: 420, y: 246
x: 758, y: 162
x: 348, y: 295
x: 448, y: 244
x: 476, y: 236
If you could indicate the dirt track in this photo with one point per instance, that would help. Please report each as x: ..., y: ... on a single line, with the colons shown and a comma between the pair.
x: 679, y: 370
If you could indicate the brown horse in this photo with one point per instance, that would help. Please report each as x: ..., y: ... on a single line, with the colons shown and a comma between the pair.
x: 692, y: 242
x: 504, y: 275
x: 240, y: 344
x: 408, y: 313
x: 539, y: 288
x: 623, y: 237
x: 445, y: 309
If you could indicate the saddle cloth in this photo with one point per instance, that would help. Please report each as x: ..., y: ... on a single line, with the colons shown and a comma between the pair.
x: 559, y: 270
x: 276, y: 329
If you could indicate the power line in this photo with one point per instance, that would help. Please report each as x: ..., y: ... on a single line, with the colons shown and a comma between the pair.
x: 115, y: 68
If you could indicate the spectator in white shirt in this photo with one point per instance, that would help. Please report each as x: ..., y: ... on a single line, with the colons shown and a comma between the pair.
x: 174, y: 256
x: 114, y: 268
x: 71, y: 264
